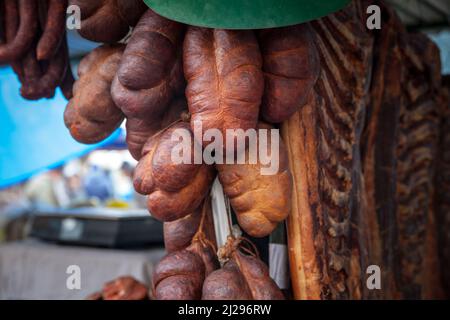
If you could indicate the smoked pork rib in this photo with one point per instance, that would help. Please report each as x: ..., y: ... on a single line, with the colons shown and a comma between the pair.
x: 443, y: 185
x: 399, y: 146
x: 327, y: 252
x: 379, y: 147
x: 415, y: 153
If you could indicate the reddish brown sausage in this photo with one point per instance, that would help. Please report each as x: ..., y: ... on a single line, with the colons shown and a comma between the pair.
x: 150, y: 72
x: 173, y: 278
x: 179, y: 276
x: 243, y: 277
x: 91, y: 115
x: 291, y: 68
x: 174, y: 189
x: 178, y: 234
x: 224, y: 78
x: 260, y: 201
x: 149, y: 76
x: 101, y: 21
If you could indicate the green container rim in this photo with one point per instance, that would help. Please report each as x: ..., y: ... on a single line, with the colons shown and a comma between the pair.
x: 244, y: 14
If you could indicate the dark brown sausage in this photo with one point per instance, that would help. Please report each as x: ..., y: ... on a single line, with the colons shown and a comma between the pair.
x: 179, y: 276
x: 291, y: 68
x: 91, y: 115
x: 224, y: 78
x: 178, y: 234
x: 11, y: 12
x: 131, y: 10
x: 53, y: 30
x: 2, y: 22
x: 101, y: 21
x: 150, y: 72
x: 45, y: 86
x: 242, y: 277
x: 25, y: 34
x: 68, y: 79
x: 32, y: 72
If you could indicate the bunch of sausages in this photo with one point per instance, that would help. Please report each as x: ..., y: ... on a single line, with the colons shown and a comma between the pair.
x: 33, y: 42
x: 168, y: 76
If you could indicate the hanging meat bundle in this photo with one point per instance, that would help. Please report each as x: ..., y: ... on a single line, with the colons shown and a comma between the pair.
x: 354, y: 171
x: 242, y: 277
x: 91, y: 114
x: 35, y: 46
x: 149, y: 76
x: 180, y: 274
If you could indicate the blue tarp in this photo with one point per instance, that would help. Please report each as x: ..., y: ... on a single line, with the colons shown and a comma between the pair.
x: 32, y: 133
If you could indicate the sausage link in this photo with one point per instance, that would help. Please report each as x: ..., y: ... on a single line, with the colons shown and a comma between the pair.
x: 25, y: 34
x: 45, y: 86
x: 32, y: 72
x: 53, y: 30
x: 12, y: 21
x: 68, y: 80
x: 2, y: 22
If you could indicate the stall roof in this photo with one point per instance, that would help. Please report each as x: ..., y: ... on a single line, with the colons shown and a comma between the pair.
x: 423, y: 13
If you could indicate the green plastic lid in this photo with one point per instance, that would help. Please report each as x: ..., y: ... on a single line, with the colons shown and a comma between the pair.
x: 244, y: 14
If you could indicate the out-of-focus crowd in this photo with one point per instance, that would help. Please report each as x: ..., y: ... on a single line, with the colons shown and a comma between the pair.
x: 82, y: 182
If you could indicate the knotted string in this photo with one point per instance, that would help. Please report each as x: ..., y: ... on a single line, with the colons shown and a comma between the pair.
x: 200, y: 234
x: 237, y: 244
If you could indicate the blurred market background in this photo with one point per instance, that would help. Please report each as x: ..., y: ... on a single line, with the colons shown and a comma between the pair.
x: 65, y: 203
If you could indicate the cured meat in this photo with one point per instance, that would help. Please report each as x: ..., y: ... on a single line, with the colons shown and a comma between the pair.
x: 443, y: 185
x: 243, y: 277
x: 327, y: 251
x: 131, y: 10
x: 291, y: 68
x: 260, y: 201
x: 68, y: 80
x: 180, y: 274
x: 124, y: 288
x: 11, y: 24
x: 399, y: 148
x: 35, y: 88
x: 416, y: 153
x: 224, y: 78
x: 39, y: 78
x: 91, y: 114
x: 150, y: 71
x: 379, y: 148
x: 174, y: 189
x: 26, y: 32
x: 139, y: 129
x: 178, y: 234
x: 107, y: 21
x: 149, y: 77
x: 54, y: 30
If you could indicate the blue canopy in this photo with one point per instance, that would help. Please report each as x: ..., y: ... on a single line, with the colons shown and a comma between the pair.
x: 33, y: 136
